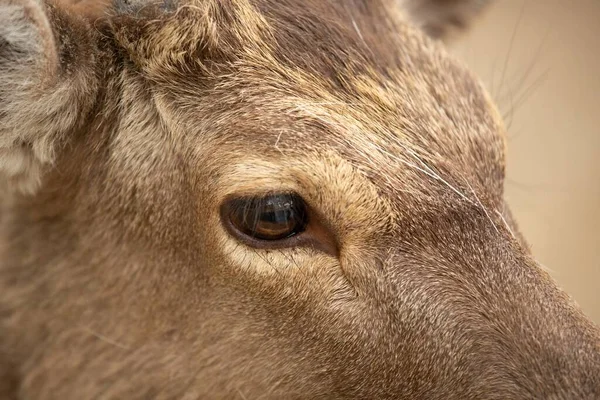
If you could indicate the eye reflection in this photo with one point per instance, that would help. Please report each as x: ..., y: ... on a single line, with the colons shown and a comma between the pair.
x: 270, y: 218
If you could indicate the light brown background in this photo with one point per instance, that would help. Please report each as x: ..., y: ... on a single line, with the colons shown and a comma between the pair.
x: 540, y: 59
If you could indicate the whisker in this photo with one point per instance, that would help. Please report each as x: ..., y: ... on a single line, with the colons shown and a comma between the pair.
x: 354, y: 24
x: 241, y: 394
x: 482, y: 206
x: 535, y: 58
x: 511, y: 44
x: 529, y: 90
x: 546, y: 268
x: 105, y: 339
x: 506, y: 223
x: 429, y: 172
x: 269, y: 263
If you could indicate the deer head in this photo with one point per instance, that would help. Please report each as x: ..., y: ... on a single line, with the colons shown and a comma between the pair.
x: 264, y: 199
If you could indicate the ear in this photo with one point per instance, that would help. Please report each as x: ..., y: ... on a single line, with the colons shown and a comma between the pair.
x: 47, y: 86
x: 442, y: 19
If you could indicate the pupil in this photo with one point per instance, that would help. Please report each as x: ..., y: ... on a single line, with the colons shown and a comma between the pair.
x: 277, y: 217
x: 273, y: 217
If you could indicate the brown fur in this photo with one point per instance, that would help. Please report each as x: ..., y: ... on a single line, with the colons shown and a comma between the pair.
x: 128, y: 125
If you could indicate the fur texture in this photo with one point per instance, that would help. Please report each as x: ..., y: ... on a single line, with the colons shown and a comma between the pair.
x: 130, y: 124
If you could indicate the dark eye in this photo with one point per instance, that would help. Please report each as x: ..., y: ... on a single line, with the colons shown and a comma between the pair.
x: 273, y: 217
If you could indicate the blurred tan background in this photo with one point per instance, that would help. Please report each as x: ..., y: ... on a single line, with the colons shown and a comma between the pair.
x: 540, y: 59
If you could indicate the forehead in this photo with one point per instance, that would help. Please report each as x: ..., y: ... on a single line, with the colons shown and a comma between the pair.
x: 344, y: 75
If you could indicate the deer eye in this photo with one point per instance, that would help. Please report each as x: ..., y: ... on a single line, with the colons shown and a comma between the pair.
x: 269, y: 218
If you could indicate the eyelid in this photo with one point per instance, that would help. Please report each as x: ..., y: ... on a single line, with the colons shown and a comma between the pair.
x: 317, y: 235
